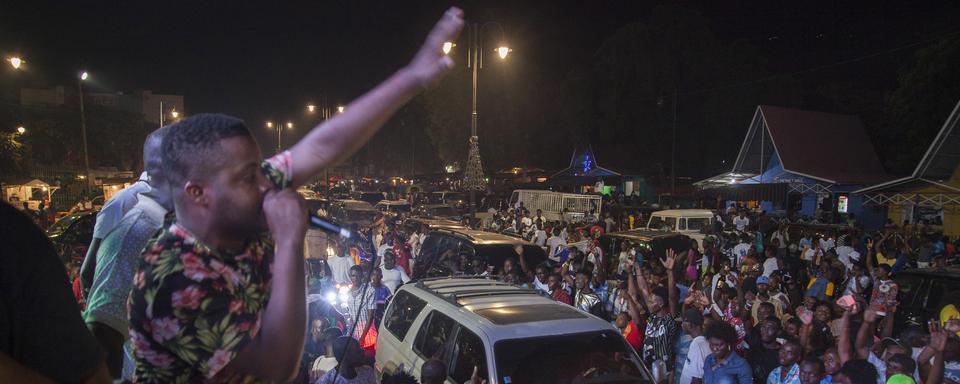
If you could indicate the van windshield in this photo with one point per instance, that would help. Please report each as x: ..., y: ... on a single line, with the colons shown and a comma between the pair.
x: 662, y: 223
x: 592, y: 357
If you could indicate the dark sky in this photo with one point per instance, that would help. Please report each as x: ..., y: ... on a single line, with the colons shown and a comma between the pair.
x: 266, y: 60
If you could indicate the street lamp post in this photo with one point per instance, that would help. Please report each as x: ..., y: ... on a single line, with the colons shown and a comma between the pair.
x: 473, y: 175
x: 83, y: 129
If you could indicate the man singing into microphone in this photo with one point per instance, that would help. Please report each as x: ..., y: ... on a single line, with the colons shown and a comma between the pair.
x: 219, y: 294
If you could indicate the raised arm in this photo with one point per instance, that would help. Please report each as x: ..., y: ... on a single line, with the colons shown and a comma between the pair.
x: 938, y: 344
x: 632, y: 298
x: 339, y: 137
x: 275, y: 353
x: 866, y: 333
x: 523, y: 262
x: 806, y: 317
x: 844, y: 346
x: 671, y: 281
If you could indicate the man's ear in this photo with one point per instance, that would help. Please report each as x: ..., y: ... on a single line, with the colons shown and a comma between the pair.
x: 195, y: 193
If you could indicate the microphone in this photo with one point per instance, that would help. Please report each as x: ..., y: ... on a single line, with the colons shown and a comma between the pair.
x: 328, y: 227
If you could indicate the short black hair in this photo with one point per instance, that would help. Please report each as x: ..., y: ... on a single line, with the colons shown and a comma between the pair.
x: 721, y: 330
x: 885, y: 268
x: 816, y: 362
x: 357, y: 268
x: 905, y: 361
x: 772, y: 319
x: 191, y: 143
x: 859, y: 371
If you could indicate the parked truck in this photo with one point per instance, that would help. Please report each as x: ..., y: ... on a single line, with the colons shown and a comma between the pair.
x: 556, y: 206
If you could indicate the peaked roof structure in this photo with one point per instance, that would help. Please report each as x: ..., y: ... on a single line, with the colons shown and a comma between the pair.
x: 827, y: 147
x: 585, y: 165
x: 938, y: 164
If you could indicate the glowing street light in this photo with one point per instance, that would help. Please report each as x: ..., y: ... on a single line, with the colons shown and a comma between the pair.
x: 502, y: 51
x: 174, y: 113
x: 16, y: 62
x: 447, y: 47
x: 21, y: 130
x: 340, y: 109
x: 269, y: 124
x: 84, y: 75
x: 311, y: 108
x: 289, y: 125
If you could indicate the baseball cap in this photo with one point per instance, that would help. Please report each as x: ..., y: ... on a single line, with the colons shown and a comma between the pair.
x: 763, y: 280
x: 693, y: 316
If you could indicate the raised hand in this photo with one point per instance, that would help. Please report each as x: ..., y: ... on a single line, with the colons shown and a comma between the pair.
x: 518, y: 248
x: 938, y: 336
x: 805, y: 316
x: 286, y: 214
x: 430, y: 64
x: 670, y: 260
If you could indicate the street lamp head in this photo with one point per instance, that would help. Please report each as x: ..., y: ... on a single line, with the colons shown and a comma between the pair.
x: 175, y: 114
x: 269, y: 124
x: 21, y: 130
x: 289, y: 125
x: 311, y: 107
x: 84, y: 75
x: 502, y: 51
x: 16, y: 62
x: 447, y: 47
x: 340, y: 109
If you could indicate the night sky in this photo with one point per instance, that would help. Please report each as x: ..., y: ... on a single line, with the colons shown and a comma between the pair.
x: 267, y: 60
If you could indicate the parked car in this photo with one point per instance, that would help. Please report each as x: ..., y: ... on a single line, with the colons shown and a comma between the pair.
x: 649, y: 243
x: 448, y: 252
x: 429, y: 224
x: 507, y: 334
x: 459, y: 200
x: 695, y: 223
x: 922, y: 293
x: 72, y: 234
x: 349, y: 212
x: 440, y: 211
x: 393, y: 207
x: 371, y: 197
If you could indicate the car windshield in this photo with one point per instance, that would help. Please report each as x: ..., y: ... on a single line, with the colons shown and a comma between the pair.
x: 62, y: 224
x: 593, y: 357
x: 662, y: 223
x: 442, y: 211
x: 360, y: 215
x: 696, y: 224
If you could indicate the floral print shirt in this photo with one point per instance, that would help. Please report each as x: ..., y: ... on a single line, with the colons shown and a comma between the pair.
x: 193, y: 307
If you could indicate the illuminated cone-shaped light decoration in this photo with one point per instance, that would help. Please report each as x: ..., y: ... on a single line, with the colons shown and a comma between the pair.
x: 473, y: 177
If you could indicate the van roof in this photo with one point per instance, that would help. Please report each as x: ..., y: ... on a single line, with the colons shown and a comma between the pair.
x: 684, y: 213
x: 503, y: 311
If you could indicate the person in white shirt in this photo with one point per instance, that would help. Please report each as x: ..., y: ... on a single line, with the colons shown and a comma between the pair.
x: 540, y: 217
x: 526, y: 222
x: 770, y: 264
x: 780, y: 235
x: 539, y: 235
x: 414, y: 242
x: 827, y: 243
x: 742, y: 222
x: 392, y: 276
x: 340, y: 266
x: 742, y: 249
x: 813, y: 253
x: 555, y: 243
x: 699, y: 348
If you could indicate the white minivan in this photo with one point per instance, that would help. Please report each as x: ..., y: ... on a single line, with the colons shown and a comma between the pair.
x: 690, y: 222
x: 507, y: 334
